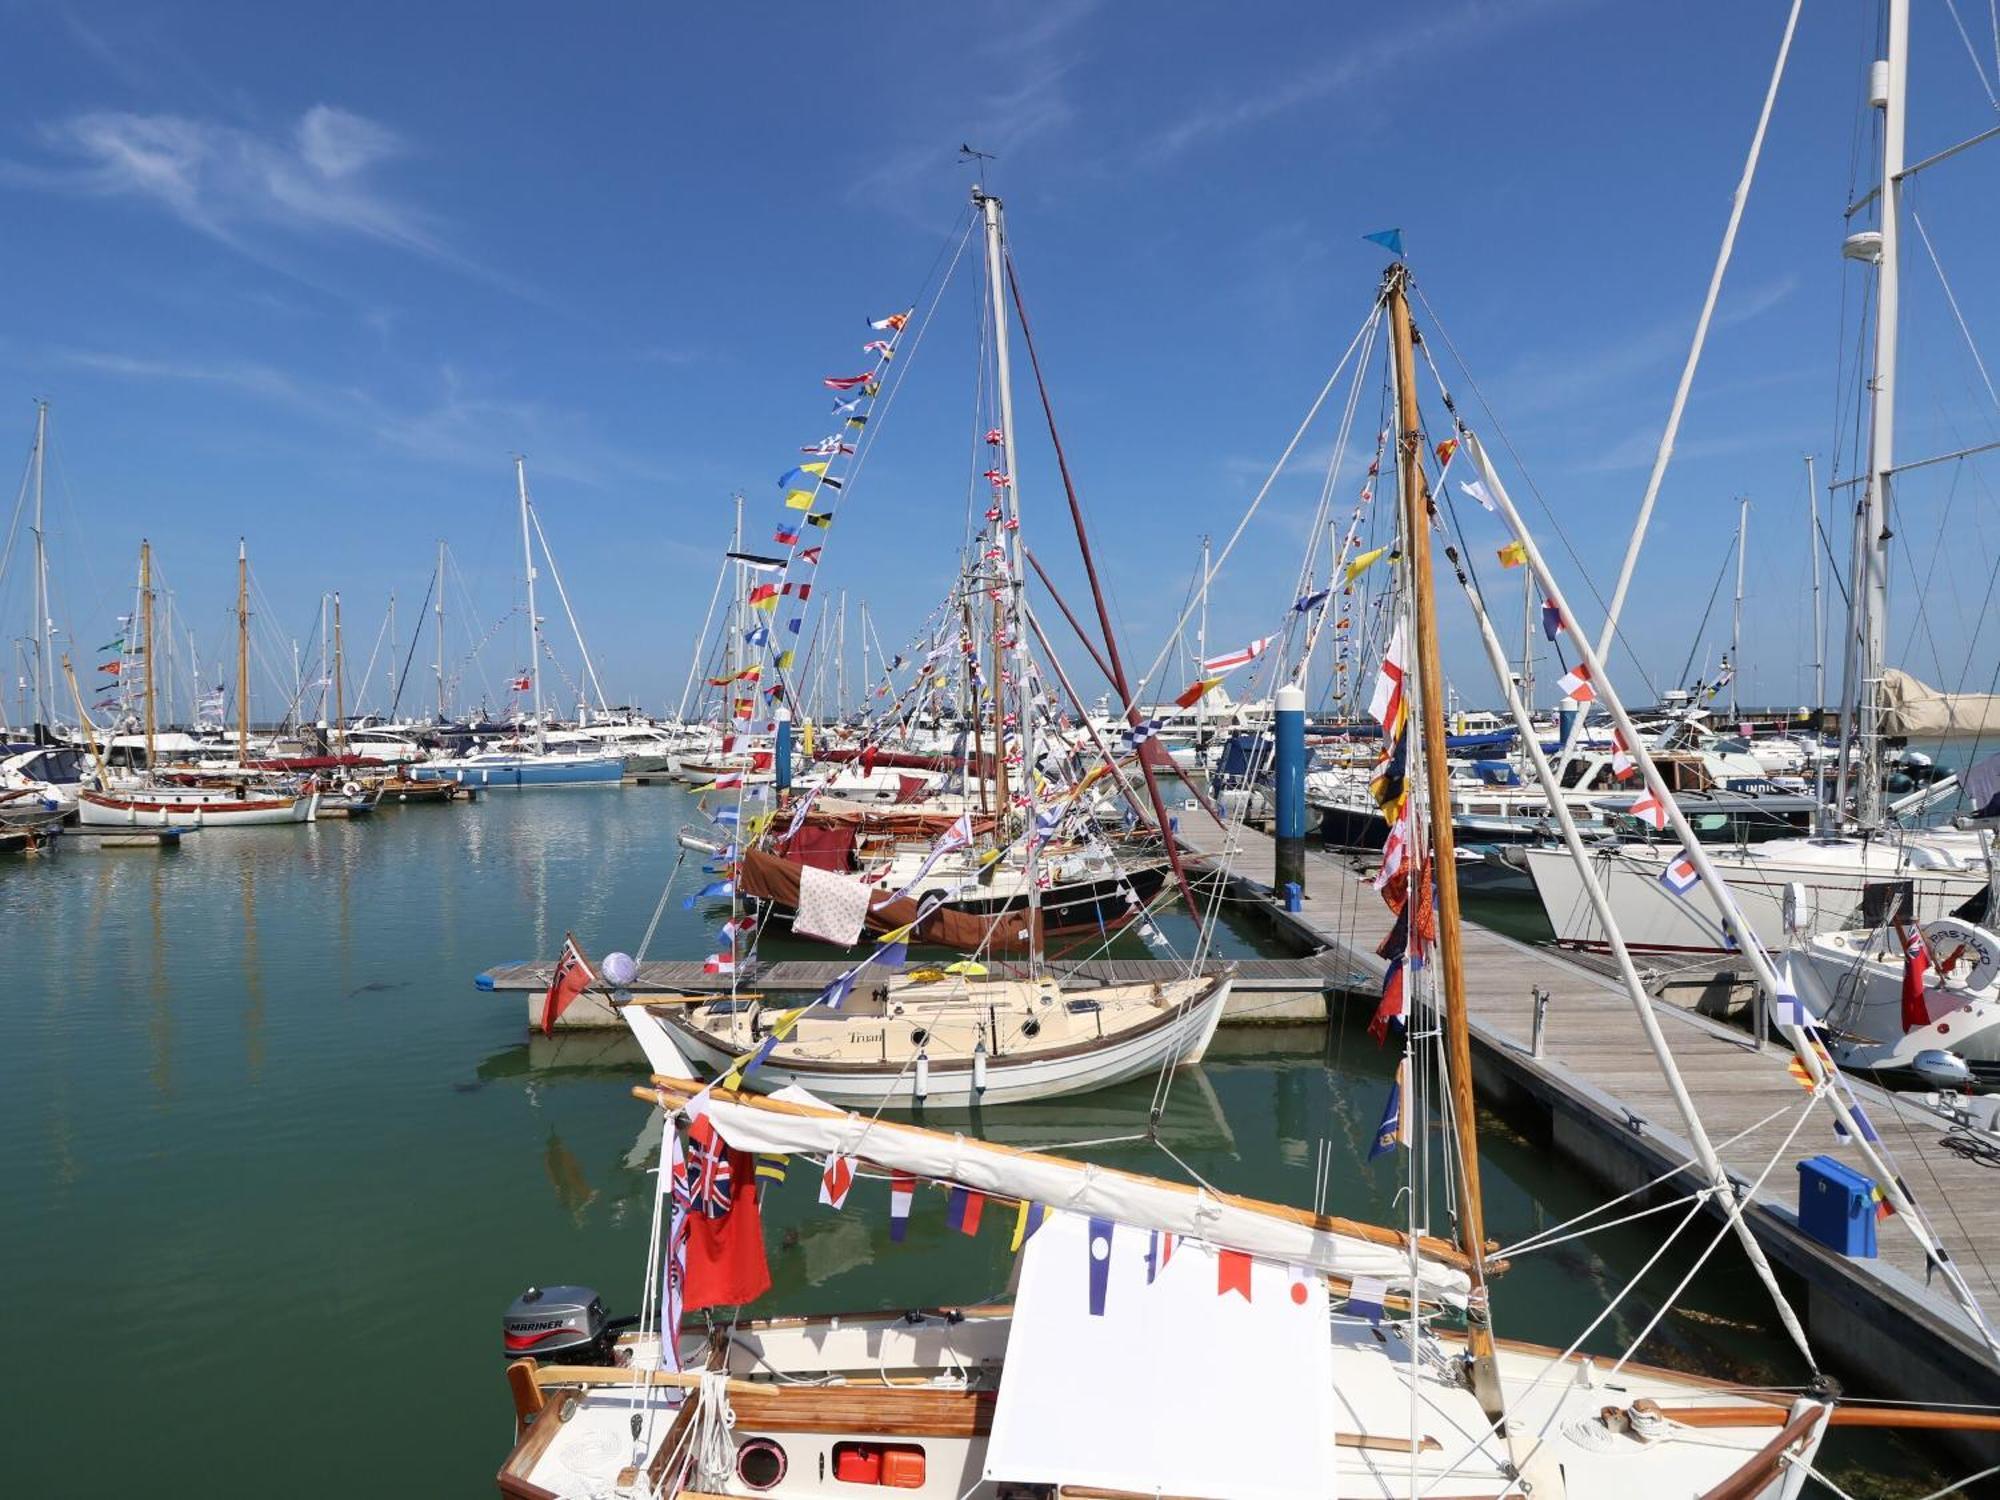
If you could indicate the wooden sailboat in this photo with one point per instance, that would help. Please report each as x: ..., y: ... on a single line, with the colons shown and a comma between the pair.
x: 154, y: 802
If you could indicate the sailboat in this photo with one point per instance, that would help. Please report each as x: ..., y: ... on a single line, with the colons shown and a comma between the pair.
x: 960, y: 1035
x: 150, y: 801
x: 1945, y: 868
x: 524, y: 766
x: 1163, y: 1338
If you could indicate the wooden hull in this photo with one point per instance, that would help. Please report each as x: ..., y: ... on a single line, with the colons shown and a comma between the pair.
x: 157, y: 810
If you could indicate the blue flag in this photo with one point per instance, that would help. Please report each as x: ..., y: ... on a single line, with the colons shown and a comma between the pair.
x: 1552, y: 620
x: 1389, y: 1134
x: 891, y: 955
x: 1100, y: 1264
x: 709, y: 892
x: 1312, y: 601
x: 1389, y: 239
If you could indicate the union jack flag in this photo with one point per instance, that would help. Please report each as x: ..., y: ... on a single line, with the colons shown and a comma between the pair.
x: 709, y: 1179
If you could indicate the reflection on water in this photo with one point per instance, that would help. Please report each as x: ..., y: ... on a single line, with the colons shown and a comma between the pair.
x: 259, y: 1117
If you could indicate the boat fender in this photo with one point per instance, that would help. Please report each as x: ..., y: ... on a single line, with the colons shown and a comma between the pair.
x: 1798, y: 907
x: 350, y: 789
x: 1964, y: 951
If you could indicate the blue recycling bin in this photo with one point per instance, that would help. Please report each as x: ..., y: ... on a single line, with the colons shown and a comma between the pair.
x: 1294, y: 897
x: 1837, y: 1206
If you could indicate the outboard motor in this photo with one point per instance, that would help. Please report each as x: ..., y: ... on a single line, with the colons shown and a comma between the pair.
x: 1941, y: 1069
x: 563, y: 1324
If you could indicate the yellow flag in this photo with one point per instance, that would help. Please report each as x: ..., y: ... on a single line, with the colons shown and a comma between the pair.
x: 1360, y: 564
x: 1514, y: 555
x: 799, y: 499
x: 818, y: 468
x: 806, y: 737
x: 785, y: 665
x: 787, y: 1021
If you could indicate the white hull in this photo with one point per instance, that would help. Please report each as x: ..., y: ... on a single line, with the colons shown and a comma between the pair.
x: 1010, y: 1078
x: 160, y: 808
x: 1653, y: 918
x: 1848, y: 982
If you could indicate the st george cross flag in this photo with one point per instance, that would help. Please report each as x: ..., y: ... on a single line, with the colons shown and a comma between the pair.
x: 902, y: 1190
x: 835, y: 1181
x: 571, y: 978
x: 1229, y: 661
x: 1680, y: 876
x: 1576, y: 683
x: 1386, y: 706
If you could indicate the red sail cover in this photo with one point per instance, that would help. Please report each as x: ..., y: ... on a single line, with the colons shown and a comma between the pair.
x: 725, y: 1235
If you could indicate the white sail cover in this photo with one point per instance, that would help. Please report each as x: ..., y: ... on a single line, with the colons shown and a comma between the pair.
x: 1140, y: 1202
x: 1175, y: 1387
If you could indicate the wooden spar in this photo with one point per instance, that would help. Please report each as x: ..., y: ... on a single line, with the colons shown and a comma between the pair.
x: 1444, y: 853
x: 146, y: 644
x: 671, y: 1093
x: 1752, y: 1480
x: 83, y: 722
x: 339, y: 683
x: 1117, y: 673
x: 1908, y: 1418
x: 242, y: 653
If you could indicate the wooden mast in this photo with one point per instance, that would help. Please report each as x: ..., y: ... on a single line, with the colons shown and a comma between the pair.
x: 242, y: 654
x: 1416, y: 509
x: 146, y: 643
x: 83, y: 722
x: 339, y: 683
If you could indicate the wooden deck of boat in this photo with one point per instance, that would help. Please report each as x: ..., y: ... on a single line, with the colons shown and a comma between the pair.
x: 1611, y: 1113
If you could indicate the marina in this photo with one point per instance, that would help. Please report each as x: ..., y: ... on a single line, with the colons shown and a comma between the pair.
x: 692, y: 871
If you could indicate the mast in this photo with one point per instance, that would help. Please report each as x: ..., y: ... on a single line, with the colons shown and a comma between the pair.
x: 1528, y: 642
x: 1869, y: 597
x: 1818, y: 613
x: 1444, y: 855
x: 840, y: 662
x: 440, y: 630
x: 534, y: 621
x: 339, y: 682
x: 1201, y: 650
x: 1017, y: 572
x: 242, y: 653
x: 146, y: 645
x: 1736, y: 615
x: 45, y: 678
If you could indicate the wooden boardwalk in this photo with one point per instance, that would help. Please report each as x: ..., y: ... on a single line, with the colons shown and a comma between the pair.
x: 1610, y: 1111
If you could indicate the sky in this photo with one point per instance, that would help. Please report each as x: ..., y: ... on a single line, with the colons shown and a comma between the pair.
x: 313, y: 279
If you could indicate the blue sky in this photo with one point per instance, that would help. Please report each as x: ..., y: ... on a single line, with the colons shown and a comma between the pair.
x: 314, y: 282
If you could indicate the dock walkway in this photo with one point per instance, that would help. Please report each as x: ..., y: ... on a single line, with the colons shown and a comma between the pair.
x: 1610, y: 1112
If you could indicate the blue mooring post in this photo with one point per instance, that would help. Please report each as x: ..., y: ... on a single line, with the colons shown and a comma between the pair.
x: 783, y: 760
x: 1290, y: 875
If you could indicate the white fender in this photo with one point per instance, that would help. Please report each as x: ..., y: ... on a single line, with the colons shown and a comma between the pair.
x: 1970, y: 955
x: 1799, y: 910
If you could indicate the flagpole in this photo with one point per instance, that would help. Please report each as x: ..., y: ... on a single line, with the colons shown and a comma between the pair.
x: 1444, y: 854
x: 146, y: 609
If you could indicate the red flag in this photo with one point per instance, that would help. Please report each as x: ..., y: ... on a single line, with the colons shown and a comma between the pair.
x: 1232, y: 1273
x: 572, y: 977
x: 1576, y: 684
x: 113, y: 667
x: 1916, y: 964
x: 725, y: 1235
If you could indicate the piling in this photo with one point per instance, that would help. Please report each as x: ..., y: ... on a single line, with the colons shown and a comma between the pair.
x: 1289, y: 875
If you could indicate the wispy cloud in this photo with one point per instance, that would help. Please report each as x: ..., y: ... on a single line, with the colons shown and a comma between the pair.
x: 263, y: 194
x: 1354, y: 67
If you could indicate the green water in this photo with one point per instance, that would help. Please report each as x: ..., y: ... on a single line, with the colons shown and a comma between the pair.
x: 275, y: 1167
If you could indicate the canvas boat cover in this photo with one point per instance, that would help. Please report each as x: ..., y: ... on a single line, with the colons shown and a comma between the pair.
x: 1175, y: 1387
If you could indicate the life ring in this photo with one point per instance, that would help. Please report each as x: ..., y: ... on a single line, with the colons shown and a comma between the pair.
x: 1964, y: 951
x: 350, y: 789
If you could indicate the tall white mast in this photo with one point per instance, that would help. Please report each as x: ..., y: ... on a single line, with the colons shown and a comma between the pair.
x: 1017, y: 580
x: 1736, y: 615
x: 45, y: 666
x: 534, y: 620
x: 1201, y: 643
x: 1818, y: 612
x: 440, y: 629
x: 1886, y: 81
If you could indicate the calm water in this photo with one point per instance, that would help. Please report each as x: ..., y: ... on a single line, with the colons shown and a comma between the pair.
x: 276, y: 1168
